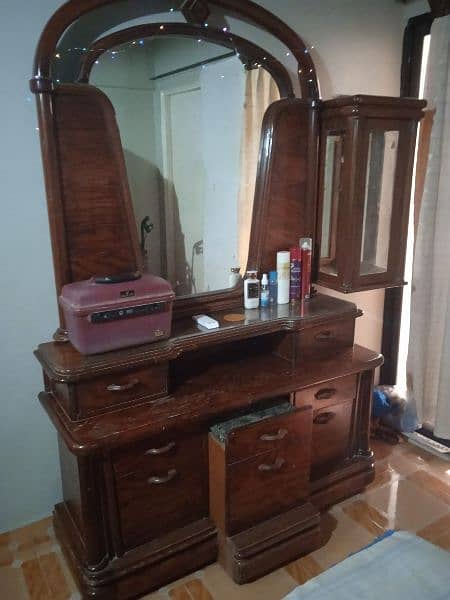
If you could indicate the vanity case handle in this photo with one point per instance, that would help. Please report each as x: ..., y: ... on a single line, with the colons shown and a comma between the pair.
x: 276, y: 466
x: 113, y: 387
x: 323, y: 418
x: 162, y: 450
x: 325, y: 336
x: 171, y: 473
x: 272, y: 437
x: 325, y: 393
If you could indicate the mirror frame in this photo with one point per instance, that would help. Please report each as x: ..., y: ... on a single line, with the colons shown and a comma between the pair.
x: 250, y: 54
x: 288, y: 143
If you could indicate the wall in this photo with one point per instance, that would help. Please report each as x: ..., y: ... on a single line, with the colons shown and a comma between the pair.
x: 357, y: 49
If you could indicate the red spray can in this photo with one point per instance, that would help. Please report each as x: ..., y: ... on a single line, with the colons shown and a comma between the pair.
x: 306, y: 258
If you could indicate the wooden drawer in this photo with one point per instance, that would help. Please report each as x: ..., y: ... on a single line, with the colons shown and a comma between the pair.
x: 332, y: 392
x: 275, y: 433
x: 100, y: 394
x: 252, y: 479
x: 266, y: 485
x: 331, y: 442
x: 159, y: 453
x: 326, y: 340
x: 163, y: 497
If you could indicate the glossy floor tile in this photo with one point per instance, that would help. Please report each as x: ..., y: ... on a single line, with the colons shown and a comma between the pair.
x: 411, y: 491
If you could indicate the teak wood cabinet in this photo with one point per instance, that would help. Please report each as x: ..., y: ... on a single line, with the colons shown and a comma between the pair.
x: 367, y: 146
x: 150, y: 494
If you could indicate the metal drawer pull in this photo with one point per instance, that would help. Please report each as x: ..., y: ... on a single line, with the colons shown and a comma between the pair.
x: 123, y: 388
x: 272, y: 437
x: 325, y: 336
x: 171, y: 473
x: 323, y: 418
x: 276, y: 466
x: 162, y: 450
x: 325, y: 393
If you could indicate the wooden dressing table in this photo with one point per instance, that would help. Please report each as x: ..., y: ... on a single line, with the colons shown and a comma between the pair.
x: 133, y: 437
x: 149, y: 493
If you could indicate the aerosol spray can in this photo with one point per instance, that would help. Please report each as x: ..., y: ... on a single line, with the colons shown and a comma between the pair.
x: 283, y: 276
x: 306, y: 256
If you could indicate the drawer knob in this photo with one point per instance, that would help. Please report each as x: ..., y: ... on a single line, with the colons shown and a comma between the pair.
x: 155, y: 480
x: 325, y: 393
x: 162, y: 450
x: 323, y: 418
x: 272, y: 437
x: 325, y: 336
x: 276, y: 466
x: 113, y: 387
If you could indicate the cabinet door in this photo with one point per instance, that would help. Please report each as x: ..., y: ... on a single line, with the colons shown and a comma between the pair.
x: 161, y: 485
x: 330, y: 437
x: 265, y: 484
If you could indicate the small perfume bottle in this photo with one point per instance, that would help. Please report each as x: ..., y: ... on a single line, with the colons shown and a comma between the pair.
x: 273, y: 288
x: 235, y: 277
x: 251, y: 290
x: 264, y: 291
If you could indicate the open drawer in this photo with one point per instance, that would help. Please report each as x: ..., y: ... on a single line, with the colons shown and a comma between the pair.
x: 259, y: 466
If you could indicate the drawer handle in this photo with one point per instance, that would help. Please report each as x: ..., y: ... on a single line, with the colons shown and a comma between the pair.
x: 272, y: 437
x: 276, y: 466
x: 325, y: 393
x: 113, y: 387
x: 325, y: 336
x: 323, y: 418
x: 171, y: 473
x: 162, y: 450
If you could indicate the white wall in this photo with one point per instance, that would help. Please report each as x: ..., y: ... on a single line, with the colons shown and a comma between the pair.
x: 29, y: 471
x: 357, y: 49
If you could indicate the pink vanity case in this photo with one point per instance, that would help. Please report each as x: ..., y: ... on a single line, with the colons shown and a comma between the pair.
x: 107, y: 313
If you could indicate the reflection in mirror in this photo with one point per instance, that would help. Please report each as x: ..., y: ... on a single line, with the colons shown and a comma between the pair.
x: 190, y: 117
x: 331, y: 189
x: 378, y: 199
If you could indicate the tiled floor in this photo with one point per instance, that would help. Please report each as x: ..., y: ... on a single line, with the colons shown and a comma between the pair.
x: 411, y: 491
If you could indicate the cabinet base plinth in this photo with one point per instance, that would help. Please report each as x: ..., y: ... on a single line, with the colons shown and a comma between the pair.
x: 142, y: 569
x: 343, y: 483
x: 270, y: 544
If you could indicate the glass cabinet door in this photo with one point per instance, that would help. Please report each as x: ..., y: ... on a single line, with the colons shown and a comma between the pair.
x: 334, y: 157
x: 378, y: 201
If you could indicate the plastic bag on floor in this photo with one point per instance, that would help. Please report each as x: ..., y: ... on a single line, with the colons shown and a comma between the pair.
x: 392, y: 407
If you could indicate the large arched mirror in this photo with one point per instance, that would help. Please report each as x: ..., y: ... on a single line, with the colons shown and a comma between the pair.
x: 197, y: 184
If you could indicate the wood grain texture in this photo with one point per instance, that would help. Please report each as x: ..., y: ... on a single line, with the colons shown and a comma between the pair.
x: 83, y: 248
x: 284, y: 208
x: 138, y: 483
x: 63, y: 363
x: 272, y: 543
x: 100, y: 394
x: 250, y: 481
x: 282, y: 433
x: 198, y: 401
x: 354, y: 118
x: 244, y: 10
x: 101, y: 235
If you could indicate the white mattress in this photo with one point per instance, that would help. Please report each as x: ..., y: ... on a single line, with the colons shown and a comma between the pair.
x: 401, y: 566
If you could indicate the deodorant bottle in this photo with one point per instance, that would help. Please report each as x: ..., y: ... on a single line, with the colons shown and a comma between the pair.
x: 251, y: 290
x: 283, y: 276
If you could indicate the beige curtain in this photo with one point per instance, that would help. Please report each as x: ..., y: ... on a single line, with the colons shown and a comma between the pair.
x: 428, y: 367
x: 260, y: 91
